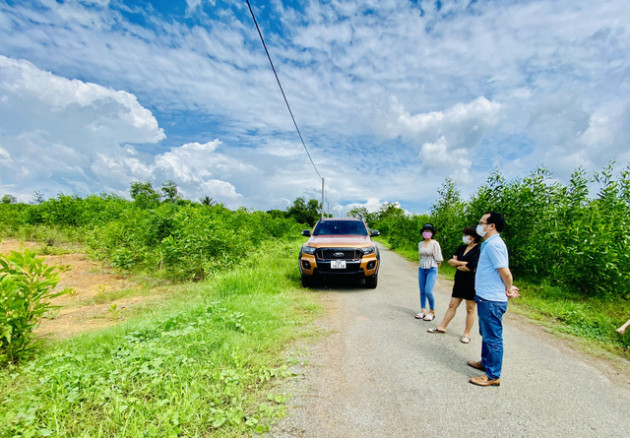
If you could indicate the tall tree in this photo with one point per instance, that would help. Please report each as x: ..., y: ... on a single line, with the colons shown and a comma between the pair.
x: 171, y: 192
x: 208, y: 201
x: 38, y: 197
x: 305, y: 212
x: 9, y: 199
x: 143, y: 194
x: 359, y: 213
x: 448, y: 216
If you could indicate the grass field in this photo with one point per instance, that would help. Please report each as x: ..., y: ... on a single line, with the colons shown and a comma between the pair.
x: 197, y: 364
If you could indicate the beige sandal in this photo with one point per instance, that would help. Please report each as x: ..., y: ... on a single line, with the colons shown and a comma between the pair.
x: 436, y: 330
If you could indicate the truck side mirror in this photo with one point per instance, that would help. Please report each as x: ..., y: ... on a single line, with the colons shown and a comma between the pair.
x: 306, y: 233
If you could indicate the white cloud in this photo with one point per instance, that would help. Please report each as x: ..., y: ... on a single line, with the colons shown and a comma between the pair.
x: 118, y: 171
x: 53, y: 128
x: 381, y: 92
x: 280, y: 148
x: 77, y: 110
x: 599, y: 131
x: 438, y: 157
x: 463, y: 123
x: 188, y: 162
x: 5, y: 157
x: 220, y: 190
x: 77, y: 132
x: 191, y: 5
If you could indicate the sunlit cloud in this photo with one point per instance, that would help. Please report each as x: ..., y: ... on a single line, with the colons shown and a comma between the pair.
x: 404, y: 94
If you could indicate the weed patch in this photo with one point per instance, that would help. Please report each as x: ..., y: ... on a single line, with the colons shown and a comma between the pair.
x: 593, y: 320
x: 198, y: 366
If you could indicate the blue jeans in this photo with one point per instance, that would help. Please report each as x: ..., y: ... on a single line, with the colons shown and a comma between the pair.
x: 491, y: 330
x: 426, y: 279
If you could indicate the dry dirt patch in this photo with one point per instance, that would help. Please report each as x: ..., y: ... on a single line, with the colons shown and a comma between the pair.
x: 87, y: 308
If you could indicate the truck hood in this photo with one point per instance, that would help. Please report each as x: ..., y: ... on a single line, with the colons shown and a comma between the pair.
x: 340, y: 241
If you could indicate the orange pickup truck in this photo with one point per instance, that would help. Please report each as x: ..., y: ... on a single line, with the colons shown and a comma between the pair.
x: 340, y: 248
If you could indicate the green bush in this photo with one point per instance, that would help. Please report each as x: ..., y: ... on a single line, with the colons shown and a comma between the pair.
x: 553, y: 232
x: 556, y: 232
x: 26, y: 285
x: 179, y: 240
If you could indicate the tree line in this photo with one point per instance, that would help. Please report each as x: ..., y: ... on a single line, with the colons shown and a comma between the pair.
x: 157, y: 231
x: 556, y: 233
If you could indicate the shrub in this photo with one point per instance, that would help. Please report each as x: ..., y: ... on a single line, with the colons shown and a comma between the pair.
x: 553, y: 231
x: 179, y: 240
x: 26, y: 286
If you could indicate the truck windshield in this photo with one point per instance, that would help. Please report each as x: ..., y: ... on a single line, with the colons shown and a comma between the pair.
x: 339, y: 228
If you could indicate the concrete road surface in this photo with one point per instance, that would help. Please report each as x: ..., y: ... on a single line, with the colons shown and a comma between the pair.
x: 380, y: 374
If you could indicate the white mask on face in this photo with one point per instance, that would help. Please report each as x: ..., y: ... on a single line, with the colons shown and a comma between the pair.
x: 467, y: 240
x: 480, y: 230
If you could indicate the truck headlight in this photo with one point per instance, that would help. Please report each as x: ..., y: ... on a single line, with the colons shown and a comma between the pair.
x: 308, y: 249
x: 368, y: 250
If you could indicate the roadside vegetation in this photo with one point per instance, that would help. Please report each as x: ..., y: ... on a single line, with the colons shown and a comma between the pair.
x: 569, y: 249
x: 200, y: 361
x: 164, y: 235
x: 202, y: 364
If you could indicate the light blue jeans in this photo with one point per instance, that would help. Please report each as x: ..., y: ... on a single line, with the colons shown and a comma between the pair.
x: 491, y: 331
x: 426, y: 280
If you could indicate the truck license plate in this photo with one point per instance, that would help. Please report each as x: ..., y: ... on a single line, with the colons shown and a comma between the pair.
x: 337, y: 264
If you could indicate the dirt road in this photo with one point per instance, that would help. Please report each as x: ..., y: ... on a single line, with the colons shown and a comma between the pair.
x: 380, y: 374
x: 94, y: 289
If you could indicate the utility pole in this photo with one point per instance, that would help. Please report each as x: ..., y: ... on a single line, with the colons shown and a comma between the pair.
x: 322, y: 197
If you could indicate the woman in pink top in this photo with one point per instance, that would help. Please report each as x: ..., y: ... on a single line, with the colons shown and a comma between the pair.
x: 430, y: 255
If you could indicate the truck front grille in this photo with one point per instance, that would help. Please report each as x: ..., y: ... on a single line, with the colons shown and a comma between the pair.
x: 338, y: 254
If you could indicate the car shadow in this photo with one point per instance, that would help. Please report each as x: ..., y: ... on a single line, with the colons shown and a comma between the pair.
x: 339, y: 285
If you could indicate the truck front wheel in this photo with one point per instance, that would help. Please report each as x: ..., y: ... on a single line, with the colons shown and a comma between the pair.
x: 371, y: 282
x: 307, y: 281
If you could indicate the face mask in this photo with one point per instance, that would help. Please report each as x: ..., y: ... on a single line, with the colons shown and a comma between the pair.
x: 480, y: 230
x: 467, y: 239
x: 427, y: 234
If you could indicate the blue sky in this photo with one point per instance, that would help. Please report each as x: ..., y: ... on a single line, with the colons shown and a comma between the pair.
x: 391, y: 97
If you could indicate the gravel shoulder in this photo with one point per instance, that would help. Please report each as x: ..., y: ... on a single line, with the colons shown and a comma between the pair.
x: 380, y: 374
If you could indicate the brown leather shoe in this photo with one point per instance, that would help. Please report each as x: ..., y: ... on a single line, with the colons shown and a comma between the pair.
x: 483, y: 381
x: 476, y: 365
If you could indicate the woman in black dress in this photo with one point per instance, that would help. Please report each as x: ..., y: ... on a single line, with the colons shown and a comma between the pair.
x: 465, y: 260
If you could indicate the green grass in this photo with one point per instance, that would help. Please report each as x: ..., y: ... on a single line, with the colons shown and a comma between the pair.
x: 593, y: 322
x: 50, y: 235
x: 107, y: 296
x: 199, y: 364
x: 58, y: 250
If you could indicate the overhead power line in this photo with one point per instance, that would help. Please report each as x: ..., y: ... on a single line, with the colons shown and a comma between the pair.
x: 284, y: 96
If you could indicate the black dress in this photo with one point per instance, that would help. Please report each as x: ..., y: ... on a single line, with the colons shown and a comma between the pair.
x: 464, y: 286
